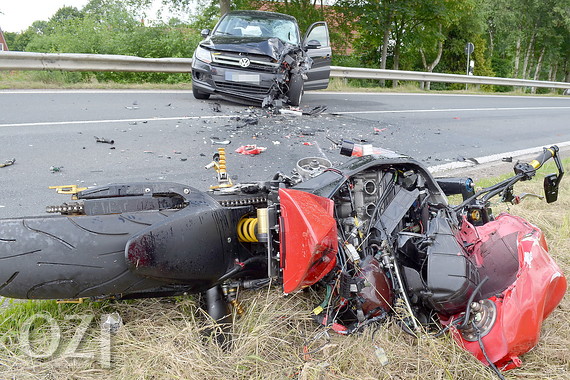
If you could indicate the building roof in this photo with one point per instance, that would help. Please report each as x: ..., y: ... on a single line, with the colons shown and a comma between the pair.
x: 3, y: 44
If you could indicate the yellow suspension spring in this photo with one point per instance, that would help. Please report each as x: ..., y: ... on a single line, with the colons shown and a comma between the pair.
x: 246, y: 230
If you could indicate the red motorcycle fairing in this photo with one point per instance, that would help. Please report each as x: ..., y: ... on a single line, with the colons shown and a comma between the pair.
x: 524, y: 294
x: 308, y: 238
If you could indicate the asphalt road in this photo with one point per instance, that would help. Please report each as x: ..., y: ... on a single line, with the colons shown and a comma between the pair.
x: 167, y: 135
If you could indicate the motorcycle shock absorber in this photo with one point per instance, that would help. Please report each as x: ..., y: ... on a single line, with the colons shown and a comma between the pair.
x: 254, y: 230
x: 219, y: 165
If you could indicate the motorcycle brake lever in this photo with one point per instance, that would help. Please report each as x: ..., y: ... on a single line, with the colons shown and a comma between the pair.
x: 519, y: 198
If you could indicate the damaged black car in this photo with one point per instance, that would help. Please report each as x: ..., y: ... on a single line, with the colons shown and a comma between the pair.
x: 259, y: 56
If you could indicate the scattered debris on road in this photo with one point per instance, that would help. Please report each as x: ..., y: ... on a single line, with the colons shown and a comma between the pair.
x: 218, y: 141
x: 8, y: 163
x: 55, y: 169
x: 216, y: 107
x: 250, y: 149
x: 104, y: 140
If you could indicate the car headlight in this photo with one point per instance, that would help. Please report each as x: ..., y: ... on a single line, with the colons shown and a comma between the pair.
x: 203, y: 55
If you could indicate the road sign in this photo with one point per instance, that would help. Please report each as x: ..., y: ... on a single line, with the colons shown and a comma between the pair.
x: 469, y: 47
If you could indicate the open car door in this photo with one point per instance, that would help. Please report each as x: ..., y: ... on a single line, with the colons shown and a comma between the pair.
x: 318, y: 47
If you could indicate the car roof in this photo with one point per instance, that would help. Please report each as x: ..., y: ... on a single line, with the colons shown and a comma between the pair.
x: 265, y: 14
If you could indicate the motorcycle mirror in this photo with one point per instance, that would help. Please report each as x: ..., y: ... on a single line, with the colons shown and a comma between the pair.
x: 551, y: 183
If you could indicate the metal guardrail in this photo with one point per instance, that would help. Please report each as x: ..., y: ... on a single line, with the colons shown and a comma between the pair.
x: 99, y: 62
x: 91, y: 62
x: 355, y: 72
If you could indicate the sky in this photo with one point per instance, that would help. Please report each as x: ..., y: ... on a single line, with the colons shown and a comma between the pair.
x: 17, y: 15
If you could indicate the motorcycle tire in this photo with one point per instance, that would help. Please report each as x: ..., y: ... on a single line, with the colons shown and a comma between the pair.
x: 70, y: 257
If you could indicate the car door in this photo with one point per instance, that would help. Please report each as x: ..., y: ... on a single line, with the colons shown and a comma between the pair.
x: 317, y: 45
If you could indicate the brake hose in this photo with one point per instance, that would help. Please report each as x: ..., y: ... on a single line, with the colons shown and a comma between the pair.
x: 482, y: 347
x: 471, y: 298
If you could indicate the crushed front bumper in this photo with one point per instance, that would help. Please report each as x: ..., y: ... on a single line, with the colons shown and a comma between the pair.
x: 235, y: 81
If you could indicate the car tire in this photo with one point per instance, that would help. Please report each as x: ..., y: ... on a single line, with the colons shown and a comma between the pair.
x: 295, y: 93
x: 200, y: 94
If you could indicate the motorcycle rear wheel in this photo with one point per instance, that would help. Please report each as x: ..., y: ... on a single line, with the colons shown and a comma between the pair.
x: 70, y: 257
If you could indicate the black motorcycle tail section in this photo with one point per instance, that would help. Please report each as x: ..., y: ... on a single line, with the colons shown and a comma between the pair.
x: 195, y: 246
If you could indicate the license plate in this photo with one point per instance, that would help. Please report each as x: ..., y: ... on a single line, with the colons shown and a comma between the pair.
x: 239, y: 77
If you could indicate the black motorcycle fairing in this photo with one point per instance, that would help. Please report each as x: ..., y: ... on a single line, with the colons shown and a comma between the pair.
x: 196, y: 246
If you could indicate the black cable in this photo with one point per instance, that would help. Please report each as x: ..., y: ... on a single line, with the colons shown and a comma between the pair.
x: 482, y: 346
x: 239, y: 267
x: 448, y: 326
x: 468, y: 308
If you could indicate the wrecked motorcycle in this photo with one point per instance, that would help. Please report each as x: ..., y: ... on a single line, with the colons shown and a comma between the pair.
x: 376, y: 233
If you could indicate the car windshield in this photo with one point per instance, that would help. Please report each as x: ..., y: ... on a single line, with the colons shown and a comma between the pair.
x: 247, y: 25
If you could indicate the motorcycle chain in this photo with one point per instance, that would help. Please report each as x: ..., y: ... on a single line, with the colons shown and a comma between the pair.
x: 78, y: 208
x: 241, y: 201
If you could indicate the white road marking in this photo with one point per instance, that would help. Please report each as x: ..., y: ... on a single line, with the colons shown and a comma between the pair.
x: 447, y: 110
x: 567, y: 98
x: 493, y: 158
x: 79, y: 122
x: 114, y: 121
x: 94, y: 91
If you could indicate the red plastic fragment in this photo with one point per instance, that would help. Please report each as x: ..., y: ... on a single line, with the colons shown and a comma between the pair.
x: 250, y: 149
x: 308, y: 238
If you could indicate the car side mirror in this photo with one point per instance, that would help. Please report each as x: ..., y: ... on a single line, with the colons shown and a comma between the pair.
x: 551, y: 183
x: 313, y: 44
x: 205, y: 33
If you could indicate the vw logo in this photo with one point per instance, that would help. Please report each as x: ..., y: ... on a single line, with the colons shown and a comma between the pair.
x: 244, y: 62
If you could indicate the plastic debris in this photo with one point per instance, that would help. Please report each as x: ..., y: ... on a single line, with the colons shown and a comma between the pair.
x: 216, y: 107
x: 111, y: 322
x: 381, y: 355
x: 248, y: 121
x: 290, y: 112
x: 378, y: 130
x: 250, y: 149
x: 55, y: 169
x: 218, y: 141
x: 315, y: 111
x: 8, y: 163
x: 104, y: 140
x: 307, y: 143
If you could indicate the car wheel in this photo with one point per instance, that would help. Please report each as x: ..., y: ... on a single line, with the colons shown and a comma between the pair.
x: 295, y: 90
x: 200, y: 94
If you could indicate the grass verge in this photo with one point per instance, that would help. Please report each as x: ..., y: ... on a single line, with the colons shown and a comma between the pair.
x: 172, y: 339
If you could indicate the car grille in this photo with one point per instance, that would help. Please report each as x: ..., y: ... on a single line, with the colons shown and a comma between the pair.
x: 257, y: 62
x: 243, y: 88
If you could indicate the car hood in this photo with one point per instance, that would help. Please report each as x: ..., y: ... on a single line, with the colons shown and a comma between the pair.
x: 272, y: 47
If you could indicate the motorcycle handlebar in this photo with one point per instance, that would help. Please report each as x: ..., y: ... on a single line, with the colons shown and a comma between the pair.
x: 546, y: 155
x: 522, y: 172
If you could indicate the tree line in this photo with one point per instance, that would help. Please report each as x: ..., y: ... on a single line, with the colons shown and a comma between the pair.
x: 527, y: 39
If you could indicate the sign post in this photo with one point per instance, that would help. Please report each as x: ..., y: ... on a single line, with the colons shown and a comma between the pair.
x: 469, y: 47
